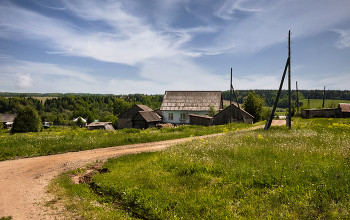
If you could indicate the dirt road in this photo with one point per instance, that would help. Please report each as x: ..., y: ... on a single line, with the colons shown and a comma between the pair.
x: 23, y: 182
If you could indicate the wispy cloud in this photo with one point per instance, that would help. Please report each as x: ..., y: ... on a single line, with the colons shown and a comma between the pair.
x: 344, y: 40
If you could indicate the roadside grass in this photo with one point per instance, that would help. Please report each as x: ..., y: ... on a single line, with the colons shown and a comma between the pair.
x: 56, y: 140
x: 317, y: 103
x: 302, y: 173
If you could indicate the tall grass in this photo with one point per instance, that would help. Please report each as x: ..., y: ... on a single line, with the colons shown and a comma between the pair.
x: 60, y: 140
x: 302, y: 173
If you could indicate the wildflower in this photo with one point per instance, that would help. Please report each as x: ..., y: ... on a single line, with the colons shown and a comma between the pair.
x: 260, y: 137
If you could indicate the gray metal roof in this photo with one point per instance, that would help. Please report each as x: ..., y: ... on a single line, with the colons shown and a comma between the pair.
x: 191, y: 100
x: 7, y: 117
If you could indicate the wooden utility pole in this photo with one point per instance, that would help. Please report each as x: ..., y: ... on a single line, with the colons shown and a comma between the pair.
x: 231, y: 98
x: 296, y: 82
x: 289, y: 118
x: 324, y: 95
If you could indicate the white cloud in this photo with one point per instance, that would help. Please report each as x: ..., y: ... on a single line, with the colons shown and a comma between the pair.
x: 344, y: 40
x: 24, y: 81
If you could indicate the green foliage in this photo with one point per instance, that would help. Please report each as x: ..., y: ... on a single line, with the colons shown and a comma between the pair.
x: 1, y: 124
x: 80, y: 120
x: 301, y: 173
x: 212, y: 110
x: 254, y: 105
x: 120, y: 106
x: 6, y: 218
x: 27, y: 120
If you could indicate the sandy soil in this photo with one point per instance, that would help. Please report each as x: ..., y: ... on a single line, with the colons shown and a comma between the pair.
x: 23, y: 181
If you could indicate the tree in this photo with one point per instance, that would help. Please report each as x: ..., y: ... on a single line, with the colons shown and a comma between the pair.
x: 120, y: 106
x: 1, y: 124
x: 254, y: 105
x: 27, y: 120
x: 212, y: 111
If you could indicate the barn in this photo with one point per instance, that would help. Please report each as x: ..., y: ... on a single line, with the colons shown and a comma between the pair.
x: 178, y: 105
x: 345, y: 109
x: 146, y: 119
x: 125, y: 118
x: 203, y: 120
x: 233, y: 112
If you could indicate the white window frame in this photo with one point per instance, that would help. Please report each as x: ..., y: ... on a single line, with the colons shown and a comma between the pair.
x: 182, y: 116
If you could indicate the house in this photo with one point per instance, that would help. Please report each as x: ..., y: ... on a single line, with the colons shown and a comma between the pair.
x: 100, y: 126
x: 345, y: 109
x: 125, y: 118
x: 178, y: 105
x: 234, y: 113
x: 203, y: 120
x: 146, y: 119
x: 7, y: 119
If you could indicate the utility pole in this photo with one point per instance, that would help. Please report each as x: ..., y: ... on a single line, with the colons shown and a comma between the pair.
x: 231, y: 98
x: 289, y: 118
x: 296, y: 82
x: 324, y: 95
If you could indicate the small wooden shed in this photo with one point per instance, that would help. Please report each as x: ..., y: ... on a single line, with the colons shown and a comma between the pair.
x: 200, y: 120
x: 125, y: 118
x: 321, y: 113
x: 233, y: 112
x: 146, y: 119
x: 100, y: 126
x: 345, y: 109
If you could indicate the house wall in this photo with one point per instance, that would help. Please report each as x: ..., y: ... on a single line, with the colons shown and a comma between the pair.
x: 124, y: 123
x: 223, y: 117
x: 177, y: 115
x: 200, y: 121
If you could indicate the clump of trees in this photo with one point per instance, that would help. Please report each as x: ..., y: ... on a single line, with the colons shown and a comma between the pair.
x: 27, y: 120
x: 255, y: 105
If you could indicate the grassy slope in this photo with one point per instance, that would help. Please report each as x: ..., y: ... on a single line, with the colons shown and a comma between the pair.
x: 315, y: 103
x: 301, y: 173
x: 57, y: 140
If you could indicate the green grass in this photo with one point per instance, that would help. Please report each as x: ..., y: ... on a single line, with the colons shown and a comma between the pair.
x: 317, y: 103
x: 57, y: 140
x: 302, y: 173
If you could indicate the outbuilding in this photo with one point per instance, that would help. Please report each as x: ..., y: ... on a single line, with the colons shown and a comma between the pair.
x: 234, y: 114
x: 125, y: 118
x: 146, y: 119
x: 100, y: 126
x: 7, y: 119
x: 203, y: 120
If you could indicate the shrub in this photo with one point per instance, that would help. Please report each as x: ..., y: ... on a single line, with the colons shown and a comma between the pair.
x: 254, y: 105
x: 27, y: 120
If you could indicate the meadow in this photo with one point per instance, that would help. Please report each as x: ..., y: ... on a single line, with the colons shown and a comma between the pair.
x: 317, y: 103
x: 302, y: 173
x: 56, y: 140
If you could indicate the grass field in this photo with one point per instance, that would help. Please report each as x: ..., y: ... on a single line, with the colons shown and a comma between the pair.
x: 57, y: 140
x: 317, y: 103
x: 43, y: 99
x: 302, y: 173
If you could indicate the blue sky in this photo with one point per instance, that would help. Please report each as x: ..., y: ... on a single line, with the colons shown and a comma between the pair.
x: 150, y: 46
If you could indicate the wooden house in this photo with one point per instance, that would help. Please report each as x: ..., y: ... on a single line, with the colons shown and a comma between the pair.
x: 178, y: 105
x: 146, y: 119
x: 234, y: 113
x: 7, y: 119
x: 125, y: 118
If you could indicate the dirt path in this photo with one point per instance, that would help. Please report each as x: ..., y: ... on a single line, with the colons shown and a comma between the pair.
x: 23, y: 182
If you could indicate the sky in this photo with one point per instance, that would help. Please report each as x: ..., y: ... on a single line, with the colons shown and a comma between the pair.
x: 153, y: 46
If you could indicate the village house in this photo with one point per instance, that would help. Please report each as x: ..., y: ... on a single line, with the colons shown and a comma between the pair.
x: 7, y: 119
x: 178, y: 105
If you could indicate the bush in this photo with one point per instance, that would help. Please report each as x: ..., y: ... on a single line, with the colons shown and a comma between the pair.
x: 27, y: 120
x: 254, y: 105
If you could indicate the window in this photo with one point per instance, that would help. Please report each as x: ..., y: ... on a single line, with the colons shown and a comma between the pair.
x: 171, y: 116
x: 182, y: 116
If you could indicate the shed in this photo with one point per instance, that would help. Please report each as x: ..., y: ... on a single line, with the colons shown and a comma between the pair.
x: 200, y: 120
x: 100, y: 126
x: 146, y: 119
x: 345, y: 109
x: 7, y: 119
x: 321, y: 113
x: 233, y: 111
x: 178, y: 105
x: 125, y: 118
